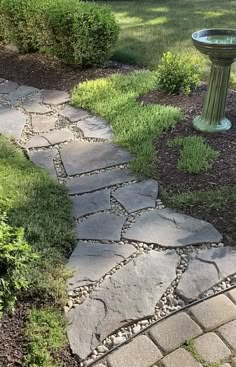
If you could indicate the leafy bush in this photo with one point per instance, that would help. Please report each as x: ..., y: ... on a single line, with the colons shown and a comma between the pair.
x: 195, y: 155
x: 15, y: 257
x: 78, y: 33
x: 177, y: 74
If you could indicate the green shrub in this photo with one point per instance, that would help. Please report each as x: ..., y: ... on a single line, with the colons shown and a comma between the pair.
x: 78, y: 33
x: 15, y: 257
x: 177, y: 74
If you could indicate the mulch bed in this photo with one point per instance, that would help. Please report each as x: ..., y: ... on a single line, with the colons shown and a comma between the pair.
x: 43, y: 72
x: 223, y: 171
x: 12, y: 339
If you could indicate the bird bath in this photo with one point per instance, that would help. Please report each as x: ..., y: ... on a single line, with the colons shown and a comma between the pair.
x: 220, y: 46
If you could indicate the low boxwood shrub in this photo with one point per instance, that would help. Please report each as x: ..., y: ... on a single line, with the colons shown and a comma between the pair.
x: 177, y: 74
x: 78, y: 33
x: 15, y: 257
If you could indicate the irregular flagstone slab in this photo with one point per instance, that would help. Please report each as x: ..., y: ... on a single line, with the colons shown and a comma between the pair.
x: 52, y: 138
x: 95, y: 127
x: 81, y: 157
x: 101, y: 226
x: 12, y: 122
x: 171, y: 229
x: 36, y: 107
x: 20, y: 93
x: 205, y: 269
x: 138, y: 195
x: 43, y: 123
x: 131, y: 293
x: 91, y: 261
x: 74, y: 114
x: 44, y: 159
x: 91, y: 203
x: 55, y: 97
x: 80, y: 185
x: 7, y: 87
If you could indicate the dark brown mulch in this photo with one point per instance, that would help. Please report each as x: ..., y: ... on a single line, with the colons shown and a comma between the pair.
x: 12, y: 338
x: 42, y: 72
x: 223, y: 171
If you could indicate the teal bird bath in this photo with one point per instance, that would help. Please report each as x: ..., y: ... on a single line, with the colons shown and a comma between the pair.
x: 220, y: 46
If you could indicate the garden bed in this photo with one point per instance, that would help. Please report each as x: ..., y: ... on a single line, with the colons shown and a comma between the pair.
x: 217, y: 203
x: 43, y: 72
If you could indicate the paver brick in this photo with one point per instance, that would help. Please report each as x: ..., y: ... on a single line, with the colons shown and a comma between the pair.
x: 228, y: 332
x: 180, y: 358
x: 232, y: 295
x: 211, y: 348
x: 214, y: 312
x: 171, y: 333
x: 141, y: 352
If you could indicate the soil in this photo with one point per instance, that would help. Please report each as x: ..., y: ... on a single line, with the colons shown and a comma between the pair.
x: 223, y: 172
x: 43, y: 72
x: 12, y: 338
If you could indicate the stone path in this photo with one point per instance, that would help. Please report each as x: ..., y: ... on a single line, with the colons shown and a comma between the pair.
x: 136, y: 261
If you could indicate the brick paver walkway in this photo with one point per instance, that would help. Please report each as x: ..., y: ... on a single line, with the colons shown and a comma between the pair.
x: 136, y: 261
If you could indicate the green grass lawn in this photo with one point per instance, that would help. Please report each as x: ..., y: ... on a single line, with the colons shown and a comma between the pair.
x: 151, y: 27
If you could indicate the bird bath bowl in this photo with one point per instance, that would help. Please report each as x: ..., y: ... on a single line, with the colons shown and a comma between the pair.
x: 220, y: 46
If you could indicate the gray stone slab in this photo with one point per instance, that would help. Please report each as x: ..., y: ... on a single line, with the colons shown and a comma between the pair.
x: 140, y: 352
x: 44, y: 159
x: 171, y: 333
x: 137, y: 196
x: 42, y: 124
x: 95, y: 127
x: 131, y: 293
x: 81, y: 157
x: 7, y: 87
x: 214, y: 312
x: 205, y: 269
x: 101, y: 226
x: 228, y: 333
x: 36, y: 107
x: 211, y: 348
x: 91, y: 261
x: 81, y: 185
x: 91, y: 203
x: 74, y: 114
x: 180, y: 358
x: 19, y: 93
x: 51, y: 138
x: 55, y: 97
x: 12, y: 122
x: 2, y: 80
x: 171, y: 229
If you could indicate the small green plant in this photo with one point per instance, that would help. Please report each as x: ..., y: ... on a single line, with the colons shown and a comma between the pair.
x: 15, y: 257
x: 195, y: 154
x: 45, y: 334
x: 177, y: 74
x: 78, y: 33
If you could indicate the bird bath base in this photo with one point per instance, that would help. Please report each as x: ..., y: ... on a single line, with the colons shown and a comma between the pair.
x: 220, y: 46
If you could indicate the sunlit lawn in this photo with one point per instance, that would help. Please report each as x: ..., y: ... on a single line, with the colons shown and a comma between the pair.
x: 151, y: 27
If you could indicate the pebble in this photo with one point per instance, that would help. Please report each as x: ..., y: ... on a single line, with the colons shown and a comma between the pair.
x: 118, y: 340
x: 136, y: 329
x: 102, y: 349
x: 70, y: 303
x: 143, y: 322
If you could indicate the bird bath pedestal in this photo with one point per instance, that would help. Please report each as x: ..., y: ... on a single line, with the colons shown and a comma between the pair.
x: 220, y: 46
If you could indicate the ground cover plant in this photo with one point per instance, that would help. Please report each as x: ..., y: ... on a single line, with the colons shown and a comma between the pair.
x: 134, y: 125
x: 149, y: 28
x: 36, y: 234
x: 78, y: 33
